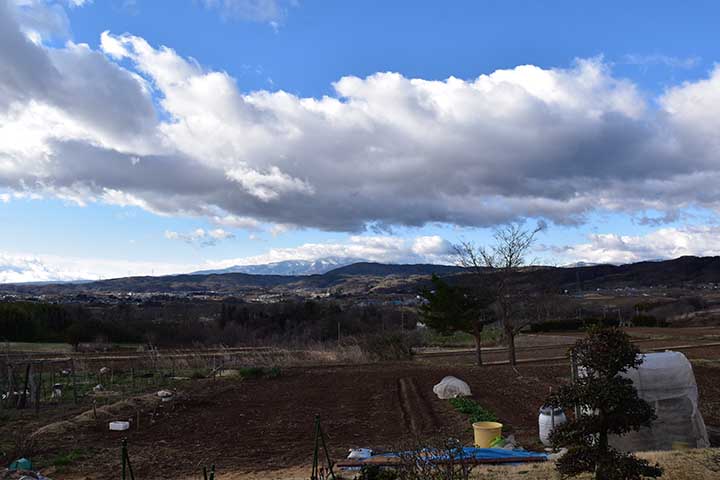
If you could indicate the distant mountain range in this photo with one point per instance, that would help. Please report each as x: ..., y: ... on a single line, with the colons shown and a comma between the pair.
x: 287, y: 267
x: 358, y: 277
x: 369, y: 278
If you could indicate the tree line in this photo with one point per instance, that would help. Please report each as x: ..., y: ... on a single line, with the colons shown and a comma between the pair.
x: 178, y: 323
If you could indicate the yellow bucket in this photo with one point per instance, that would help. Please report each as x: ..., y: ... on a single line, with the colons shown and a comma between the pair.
x: 486, y: 432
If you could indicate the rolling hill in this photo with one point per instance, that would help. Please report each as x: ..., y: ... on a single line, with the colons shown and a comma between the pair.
x: 680, y: 272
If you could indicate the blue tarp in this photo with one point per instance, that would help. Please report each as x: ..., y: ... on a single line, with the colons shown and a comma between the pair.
x: 472, y: 452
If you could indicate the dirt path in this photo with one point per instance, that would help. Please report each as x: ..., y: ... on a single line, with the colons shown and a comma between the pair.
x: 417, y: 414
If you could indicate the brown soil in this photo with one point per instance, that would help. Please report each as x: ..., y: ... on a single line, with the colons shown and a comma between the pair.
x: 267, y: 424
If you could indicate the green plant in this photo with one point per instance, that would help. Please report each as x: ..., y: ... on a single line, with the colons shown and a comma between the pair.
x: 474, y: 410
x: 608, y: 404
x: 68, y: 458
x: 251, y: 372
x: 258, y: 372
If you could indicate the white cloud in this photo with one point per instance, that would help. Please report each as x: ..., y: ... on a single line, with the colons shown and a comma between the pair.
x: 383, y: 150
x: 18, y: 268
x: 15, y: 268
x: 220, y: 234
x: 664, y: 243
x: 201, y: 237
x: 39, y: 19
x: 386, y: 249
x: 266, y: 11
x: 664, y: 60
x: 432, y: 245
x: 233, y: 221
x: 268, y: 186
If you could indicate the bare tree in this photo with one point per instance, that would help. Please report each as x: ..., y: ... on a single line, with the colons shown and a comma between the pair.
x: 497, y: 263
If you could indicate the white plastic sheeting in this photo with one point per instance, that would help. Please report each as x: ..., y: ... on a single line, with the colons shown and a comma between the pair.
x: 451, y: 387
x: 666, y: 381
x: 360, y: 453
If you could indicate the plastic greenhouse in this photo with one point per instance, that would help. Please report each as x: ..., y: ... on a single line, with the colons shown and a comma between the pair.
x: 666, y: 381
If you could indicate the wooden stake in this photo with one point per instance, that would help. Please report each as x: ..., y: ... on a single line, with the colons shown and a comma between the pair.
x: 574, y: 376
x: 23, y: 396
x: 38, y: 390
x: 74, y: 385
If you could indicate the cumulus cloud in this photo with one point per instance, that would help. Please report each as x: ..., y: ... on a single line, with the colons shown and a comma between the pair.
x: 386, y: 249
x: 664, y: 243
x: 137, y: 124
x: 40, y: 19
x: 200, y: 236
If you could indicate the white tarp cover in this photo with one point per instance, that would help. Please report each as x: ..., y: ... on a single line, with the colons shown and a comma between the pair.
x: 451, y: 387
x: 666, y: 381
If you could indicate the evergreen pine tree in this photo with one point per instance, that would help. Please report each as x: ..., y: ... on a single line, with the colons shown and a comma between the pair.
x: 608, y: 404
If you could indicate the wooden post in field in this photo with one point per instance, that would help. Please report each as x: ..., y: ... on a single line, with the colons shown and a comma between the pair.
x: 11, y: 381
x: 42, y: 383
x: 6, y: 368
x: 574, y: 376
x: 38, y: 389
x: 23, y: 396
x: 74, y: 383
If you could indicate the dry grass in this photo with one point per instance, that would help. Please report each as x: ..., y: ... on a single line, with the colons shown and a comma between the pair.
x: 700, y: 464
x: 125, y: 408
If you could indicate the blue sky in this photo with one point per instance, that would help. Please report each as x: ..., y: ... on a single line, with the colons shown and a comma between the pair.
x: 202, y: 133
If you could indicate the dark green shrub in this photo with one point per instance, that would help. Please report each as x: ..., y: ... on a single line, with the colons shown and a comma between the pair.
x: 557, y: 326
x: 645, y: 320
x: 259, y: 372
x: 374, y: 472
x: 251, y: 372
x: 609, y: 404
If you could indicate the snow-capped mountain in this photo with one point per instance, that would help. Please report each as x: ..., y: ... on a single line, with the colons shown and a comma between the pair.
x: 289, y: 267
x: 580, y: 264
